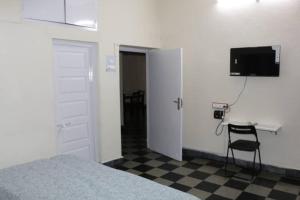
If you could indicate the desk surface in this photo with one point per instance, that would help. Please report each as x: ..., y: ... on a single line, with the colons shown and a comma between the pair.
x: 262, y: 127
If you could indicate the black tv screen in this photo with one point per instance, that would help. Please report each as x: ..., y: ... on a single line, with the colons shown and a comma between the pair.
x: 255, y: 61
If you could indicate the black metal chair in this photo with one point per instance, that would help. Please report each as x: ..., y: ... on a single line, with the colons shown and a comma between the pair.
x: 243, y: 145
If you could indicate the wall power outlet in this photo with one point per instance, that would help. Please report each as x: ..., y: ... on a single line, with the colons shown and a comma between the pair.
x: 219, y: 114
x: 220, y: 106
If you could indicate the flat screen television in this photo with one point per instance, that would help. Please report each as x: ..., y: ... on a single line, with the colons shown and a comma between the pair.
x: 255, y: 61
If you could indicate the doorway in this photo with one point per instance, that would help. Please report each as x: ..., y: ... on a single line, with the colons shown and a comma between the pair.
x: 74, y: 77
x: 133, y: 100
x: 155, y: 108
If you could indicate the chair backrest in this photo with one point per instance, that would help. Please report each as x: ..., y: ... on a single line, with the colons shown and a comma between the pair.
x: 242, y: 130
x: 139, y: 97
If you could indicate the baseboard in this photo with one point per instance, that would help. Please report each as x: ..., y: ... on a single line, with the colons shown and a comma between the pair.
x: 290, y: 173
x: 114, y: 163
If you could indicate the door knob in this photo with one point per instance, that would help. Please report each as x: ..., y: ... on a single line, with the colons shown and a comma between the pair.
x: 178, y: 102
x: 68, y: 124
x: 60, y: 126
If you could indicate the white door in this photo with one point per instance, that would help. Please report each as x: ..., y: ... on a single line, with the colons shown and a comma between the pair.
x: 165, y: 102
x: 74, y: 121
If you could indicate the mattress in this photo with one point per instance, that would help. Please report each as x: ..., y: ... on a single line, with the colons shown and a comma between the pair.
x: 69, y: 178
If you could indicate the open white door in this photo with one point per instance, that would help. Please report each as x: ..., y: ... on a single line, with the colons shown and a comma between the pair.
x: 165, y: 102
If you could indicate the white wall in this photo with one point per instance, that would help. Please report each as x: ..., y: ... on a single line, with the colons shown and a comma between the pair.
x: 206, y: 30
x: 26, y: 78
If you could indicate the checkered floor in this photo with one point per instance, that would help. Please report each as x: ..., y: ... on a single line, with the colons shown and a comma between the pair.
x: 203, y: 178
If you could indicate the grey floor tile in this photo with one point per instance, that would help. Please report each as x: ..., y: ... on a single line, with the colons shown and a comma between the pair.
x: 178, y: 163
x: 183, y: 171
x: 208, y: 169
x: 154, y: 163
x: 285, y: 187
x: 163, y: 181
x: 217, y: 179
x: 259, y: 190
x: 132, y: 171
x: 189, y: 181
x: 199, y: 193
x: 200, y: 161
x: 131, y: 164
x: 228, y: 192
x: 157, y: 172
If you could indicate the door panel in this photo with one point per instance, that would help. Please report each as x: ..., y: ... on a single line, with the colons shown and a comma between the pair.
x: 75, y: 132
x: 72, y: 85
x: 73, y: 101
x: 73, y: 109
x: 53, y: 10
x: 82, y: 13
x: 71, y: 60
x: 165, y: 116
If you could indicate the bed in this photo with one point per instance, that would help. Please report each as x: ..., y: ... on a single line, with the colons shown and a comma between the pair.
x: 69, y: 178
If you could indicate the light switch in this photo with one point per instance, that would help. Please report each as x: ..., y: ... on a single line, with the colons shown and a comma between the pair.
x: 110, y: 63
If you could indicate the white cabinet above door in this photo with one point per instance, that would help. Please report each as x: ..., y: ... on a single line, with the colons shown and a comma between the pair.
x: 81, y: 13
x: 46, y: 10
x: 75, y: 12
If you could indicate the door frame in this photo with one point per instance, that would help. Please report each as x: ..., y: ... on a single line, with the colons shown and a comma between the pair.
x: 145, y: 50
x: 93, y: 73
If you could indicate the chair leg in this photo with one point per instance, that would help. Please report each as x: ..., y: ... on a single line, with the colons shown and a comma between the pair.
x: 253, y: 167
x: 233, y: 156
x: 259, y: 156
x: 226, y: 160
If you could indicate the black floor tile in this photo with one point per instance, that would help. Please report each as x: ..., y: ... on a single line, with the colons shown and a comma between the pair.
x: 216, y: 164
x: 264, y: 182
x: 168, y: 167
x: 236, y: 184
x: 143, y: 168
x: 249, y: 196
x: 147, y: 176
x: 180, y: 187
x: 172, y: 176
x: 290, y: 181
x: 164, y: 159
x: 191, y: 166
x: 279, y: 195
x: 207, y: 186
x: 141, y: 160
x: 225, y: 173
x: 120, y: 167
x: 199, y: 175
x: 188, y: 158
x: 248, y: 171
x: 217, y: 197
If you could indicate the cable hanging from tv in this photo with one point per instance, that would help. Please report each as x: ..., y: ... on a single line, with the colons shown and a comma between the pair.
x: 219, y: 133
x: 240, y: 94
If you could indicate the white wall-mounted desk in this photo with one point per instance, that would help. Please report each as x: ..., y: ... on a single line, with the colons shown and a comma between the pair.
x: 273, y: 128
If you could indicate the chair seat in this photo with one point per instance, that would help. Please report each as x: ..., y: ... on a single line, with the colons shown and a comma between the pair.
x: 245, y: 145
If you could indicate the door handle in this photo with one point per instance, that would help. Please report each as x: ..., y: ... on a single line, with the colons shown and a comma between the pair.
x: 179, y: 103
x: 59, y: 127
x: 68, y: 124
